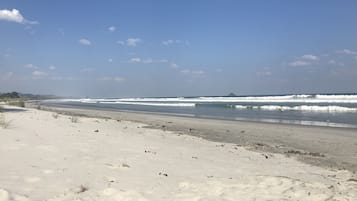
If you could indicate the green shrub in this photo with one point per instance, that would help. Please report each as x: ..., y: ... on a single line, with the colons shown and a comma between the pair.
x: 18, y: 103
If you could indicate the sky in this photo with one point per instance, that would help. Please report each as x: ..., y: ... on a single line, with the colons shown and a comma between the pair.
x: 178, y: 48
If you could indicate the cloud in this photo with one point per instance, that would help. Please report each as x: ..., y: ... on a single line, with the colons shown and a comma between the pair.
x: 186, y: 71
x: 38, y: 74
x: 120, y: 42
x: 7, y: 76
x: 132, y: 42
x: 30, y: 29
x: 148, y: 61
x: 87, y: 70
x: 347, y: 51
x: 112, y: 28
x: 52, y: 67
x: 299, y: 63
x: 332, y: 61
x: 264, y: 73
x: 171, y: 42
x: 135, y: 60
x: 115, y: 79
x: 193, y: 72
x: 167, y: 42
x: 305, y: 60
x: 84, y: 41
x: 198, y: 72
x: 14, y: 15
x: 63, y: 78
x: 174, y: 66
x: 31, y: 66
x: 6, y: 55
x: 110, y: 60
x: 118, y: 79
x: 310, y: 57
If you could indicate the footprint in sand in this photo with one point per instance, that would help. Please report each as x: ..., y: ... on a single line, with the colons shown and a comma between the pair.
x: 32, y: 179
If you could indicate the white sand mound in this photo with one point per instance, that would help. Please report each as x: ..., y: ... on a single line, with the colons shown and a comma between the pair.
x: 6, y: 196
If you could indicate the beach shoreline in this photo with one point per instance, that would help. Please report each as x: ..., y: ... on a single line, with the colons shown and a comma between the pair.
x: 67, y: 154
x: 328, y: 147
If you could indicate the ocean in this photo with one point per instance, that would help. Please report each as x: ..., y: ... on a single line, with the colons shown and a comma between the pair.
x: 317, y: 109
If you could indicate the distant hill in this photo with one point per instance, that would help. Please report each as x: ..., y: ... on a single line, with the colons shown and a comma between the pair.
x: 14, y: 95
x: 9, y: 95
x: 231, y: 94
x: 38, y: 97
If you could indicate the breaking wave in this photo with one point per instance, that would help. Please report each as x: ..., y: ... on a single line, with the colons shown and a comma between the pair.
x: 261, y: 99
x: 311, y: 108
x: 152, y: 104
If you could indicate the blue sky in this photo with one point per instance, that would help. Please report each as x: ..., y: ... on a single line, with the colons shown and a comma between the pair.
x: 177, y: 48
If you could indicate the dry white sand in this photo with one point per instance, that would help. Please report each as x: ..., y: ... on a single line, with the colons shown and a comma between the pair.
x: 48, y: 157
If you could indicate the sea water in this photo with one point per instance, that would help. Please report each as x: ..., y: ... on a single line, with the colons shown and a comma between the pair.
x: 320, y: 110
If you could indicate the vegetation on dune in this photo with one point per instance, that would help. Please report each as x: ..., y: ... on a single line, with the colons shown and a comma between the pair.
x: 74, y: 119
x: 19, y: 99
x: 3, y: 122
x: 55, y: 115
x: 18, y: 103
x: 12, y: 98
x: 11, y: 95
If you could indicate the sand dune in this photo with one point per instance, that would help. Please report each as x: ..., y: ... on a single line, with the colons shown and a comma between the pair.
x: 46, y: 156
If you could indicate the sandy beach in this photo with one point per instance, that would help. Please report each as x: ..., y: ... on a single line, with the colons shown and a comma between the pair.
x: 48, y: 155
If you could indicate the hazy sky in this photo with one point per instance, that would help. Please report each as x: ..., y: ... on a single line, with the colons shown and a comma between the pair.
x: 177, y: 48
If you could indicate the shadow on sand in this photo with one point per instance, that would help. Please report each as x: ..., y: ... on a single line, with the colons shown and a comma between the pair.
x: 12, y: 110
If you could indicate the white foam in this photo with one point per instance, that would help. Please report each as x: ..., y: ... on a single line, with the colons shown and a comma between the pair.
x: 153, y: 104
x: 312, y: 108
x: 299, y: 98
